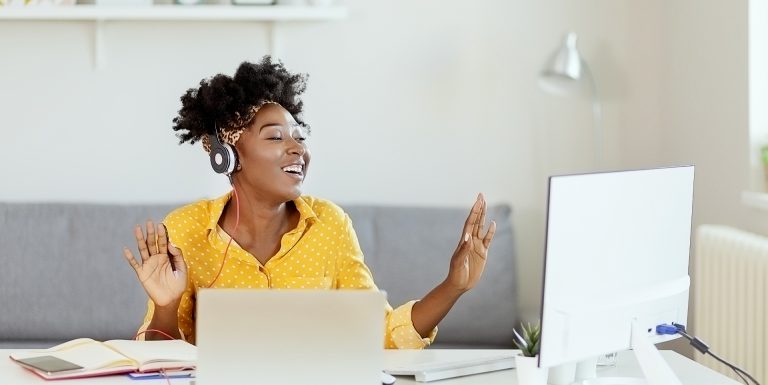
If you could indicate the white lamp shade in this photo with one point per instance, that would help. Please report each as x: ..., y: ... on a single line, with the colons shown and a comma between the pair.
x: 566, y: 73
x: 564, y: 68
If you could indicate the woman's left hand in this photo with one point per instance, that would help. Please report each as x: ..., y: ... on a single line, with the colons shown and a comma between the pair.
x: 469, y: 259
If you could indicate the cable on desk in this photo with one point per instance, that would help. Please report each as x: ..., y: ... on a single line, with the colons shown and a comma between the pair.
x: 703, y: 348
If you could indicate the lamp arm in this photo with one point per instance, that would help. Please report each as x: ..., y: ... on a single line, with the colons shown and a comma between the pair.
x: 597, y: 117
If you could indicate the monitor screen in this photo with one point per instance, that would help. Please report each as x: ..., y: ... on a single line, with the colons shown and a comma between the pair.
x: 617, y: 250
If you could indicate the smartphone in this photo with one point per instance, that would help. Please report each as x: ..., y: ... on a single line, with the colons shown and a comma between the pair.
x: 49, y: 364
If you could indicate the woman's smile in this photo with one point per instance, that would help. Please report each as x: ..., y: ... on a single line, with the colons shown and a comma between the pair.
x: 295, y: 171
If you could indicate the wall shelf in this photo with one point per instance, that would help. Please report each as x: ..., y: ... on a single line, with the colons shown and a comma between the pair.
x: 174, y: 13
x: 100, y: 14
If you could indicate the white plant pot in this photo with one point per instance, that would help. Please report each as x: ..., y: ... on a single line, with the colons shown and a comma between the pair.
x: 528, y: 373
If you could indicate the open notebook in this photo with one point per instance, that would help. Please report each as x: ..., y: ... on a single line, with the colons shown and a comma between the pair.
x: 437, y: 364
x: 85, y: 357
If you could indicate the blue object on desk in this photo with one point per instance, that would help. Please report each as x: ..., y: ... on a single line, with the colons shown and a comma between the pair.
x: 666, y: 329
x: 156, y: 376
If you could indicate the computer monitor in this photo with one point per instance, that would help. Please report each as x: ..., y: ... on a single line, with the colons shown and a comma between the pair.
x: 616, y: 265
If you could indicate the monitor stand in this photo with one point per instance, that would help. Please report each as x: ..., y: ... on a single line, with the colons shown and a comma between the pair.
x: 652, y: 364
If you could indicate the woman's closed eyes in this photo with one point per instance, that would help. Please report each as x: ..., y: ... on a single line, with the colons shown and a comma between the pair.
x: 296, y: 138
x: 277, y: 134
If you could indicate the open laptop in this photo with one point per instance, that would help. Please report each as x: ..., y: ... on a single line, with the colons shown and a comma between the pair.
x: 281, y: 337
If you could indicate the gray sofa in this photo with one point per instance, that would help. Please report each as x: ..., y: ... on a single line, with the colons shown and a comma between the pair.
x: 62, y: 274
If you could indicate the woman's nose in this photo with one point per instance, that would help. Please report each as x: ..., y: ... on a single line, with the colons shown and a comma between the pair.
x: 296, y: 147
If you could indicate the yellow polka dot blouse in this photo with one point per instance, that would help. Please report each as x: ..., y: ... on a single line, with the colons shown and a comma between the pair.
x: 322, y: 252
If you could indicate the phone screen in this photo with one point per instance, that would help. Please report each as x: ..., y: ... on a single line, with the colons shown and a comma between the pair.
x: 50, y: 364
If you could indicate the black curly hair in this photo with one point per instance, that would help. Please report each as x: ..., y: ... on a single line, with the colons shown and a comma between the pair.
x: 221, y: 98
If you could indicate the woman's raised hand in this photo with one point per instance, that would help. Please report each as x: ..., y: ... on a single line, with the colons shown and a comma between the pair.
x: 469, y: 259
x: 158, y: 260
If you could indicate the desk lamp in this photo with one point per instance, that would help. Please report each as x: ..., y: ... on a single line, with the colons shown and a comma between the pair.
x: 564, y: 74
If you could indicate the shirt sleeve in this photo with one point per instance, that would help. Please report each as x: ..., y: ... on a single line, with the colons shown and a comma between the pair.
x: 354, y: 274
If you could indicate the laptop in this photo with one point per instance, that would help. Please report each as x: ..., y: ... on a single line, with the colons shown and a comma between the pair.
x: 278, y: 337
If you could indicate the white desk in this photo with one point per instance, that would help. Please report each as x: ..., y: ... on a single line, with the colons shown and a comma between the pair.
x: 690, y: 373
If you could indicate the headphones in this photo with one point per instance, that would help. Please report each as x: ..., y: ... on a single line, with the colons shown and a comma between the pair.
x: 223, y: 156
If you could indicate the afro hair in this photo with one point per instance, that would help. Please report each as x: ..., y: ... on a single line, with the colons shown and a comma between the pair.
x: 221, y: 98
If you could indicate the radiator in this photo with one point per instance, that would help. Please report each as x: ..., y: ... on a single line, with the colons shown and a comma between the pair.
x: 730, y: 296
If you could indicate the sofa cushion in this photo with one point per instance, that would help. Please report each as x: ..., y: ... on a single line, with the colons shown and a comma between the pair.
x: 63, y: 275
x: 408, y: 250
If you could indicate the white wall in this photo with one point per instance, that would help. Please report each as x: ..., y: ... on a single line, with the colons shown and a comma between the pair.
x: 411, y: 102
x: 705, y: 102
x: 758, y: 90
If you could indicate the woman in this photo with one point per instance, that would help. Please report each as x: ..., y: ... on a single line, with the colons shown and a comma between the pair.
x: 265, y: 234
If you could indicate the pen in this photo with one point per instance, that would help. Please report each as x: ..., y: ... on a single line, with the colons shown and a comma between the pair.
x: 170, y: 260
x: 173, y: 267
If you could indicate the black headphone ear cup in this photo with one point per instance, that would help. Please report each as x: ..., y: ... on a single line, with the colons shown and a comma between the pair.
x: 223, y: 156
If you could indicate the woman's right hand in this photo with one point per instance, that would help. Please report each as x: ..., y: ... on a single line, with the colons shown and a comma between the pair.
x: 156, y: 270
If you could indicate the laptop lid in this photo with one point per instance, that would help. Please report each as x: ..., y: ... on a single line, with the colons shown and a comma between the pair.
x: 290, y: 336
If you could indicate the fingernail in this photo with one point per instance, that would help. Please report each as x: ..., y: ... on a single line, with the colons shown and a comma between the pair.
x: 466, y: 237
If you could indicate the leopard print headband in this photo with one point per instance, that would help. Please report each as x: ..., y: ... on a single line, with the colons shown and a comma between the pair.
x: 230, y: 132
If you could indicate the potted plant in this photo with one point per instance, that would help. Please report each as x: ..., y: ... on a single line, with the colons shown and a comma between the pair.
x: 526, y: 364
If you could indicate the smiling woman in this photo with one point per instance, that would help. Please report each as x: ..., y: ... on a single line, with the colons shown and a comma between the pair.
x: 265, y: 233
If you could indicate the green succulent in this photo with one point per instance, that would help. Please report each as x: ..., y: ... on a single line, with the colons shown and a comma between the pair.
x: 529, y: 342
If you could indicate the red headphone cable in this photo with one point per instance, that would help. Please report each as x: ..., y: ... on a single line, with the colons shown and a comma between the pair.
x: 237, y: 223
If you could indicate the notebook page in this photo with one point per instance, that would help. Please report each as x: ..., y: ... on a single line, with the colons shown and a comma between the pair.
x: 147, y: 352
x: 90, y: 355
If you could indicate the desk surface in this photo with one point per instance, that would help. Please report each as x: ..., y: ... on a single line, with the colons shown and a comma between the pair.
x: 689, y: 372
